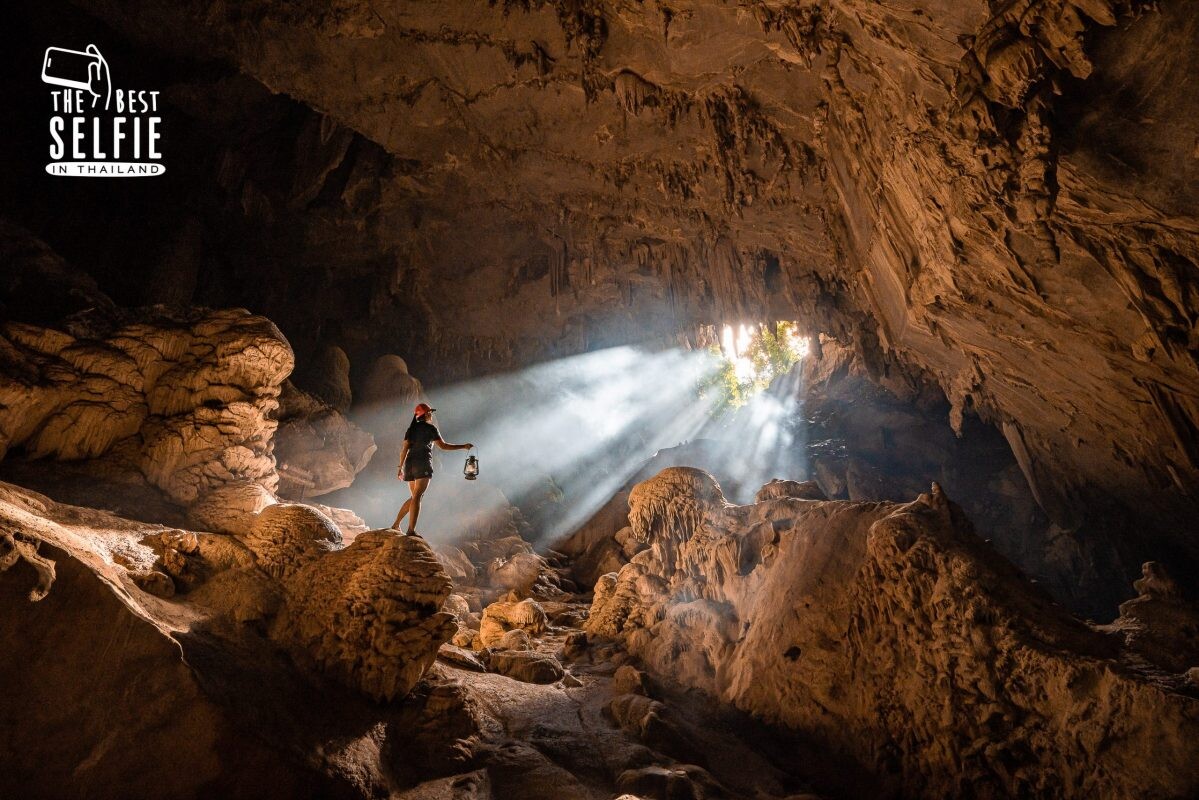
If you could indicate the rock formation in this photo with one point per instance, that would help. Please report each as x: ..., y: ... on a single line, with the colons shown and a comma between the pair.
x: 370, y: 613
x: 983, y: 215
x: 133, y: 594
x: 891, y: 630
x: 184, y: 402
x: 318, y: 450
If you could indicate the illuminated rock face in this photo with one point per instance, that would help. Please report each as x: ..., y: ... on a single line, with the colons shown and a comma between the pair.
x: 318, y: 450
x: 185, y: 401
x: 370, y: 614
x: 205, y: 673
x: 894, y: 634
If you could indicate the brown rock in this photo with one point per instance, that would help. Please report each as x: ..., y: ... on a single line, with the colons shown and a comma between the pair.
x: 1161, y: 624
x: 286, y: 536
x: 677, y: 782
x: 759, y: 622
x: 318, y: 450
x: 230, y: 508
x: 800, y: 490
x: 154, y: 582
x: 501, y: 617
x: 515, y: 639
x: 187, y: 401
x: 525, y: 666
x: 629, y: 680
x: 369, y: 614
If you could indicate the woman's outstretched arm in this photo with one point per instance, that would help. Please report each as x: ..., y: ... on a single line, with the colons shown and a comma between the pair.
x: 444, y: 445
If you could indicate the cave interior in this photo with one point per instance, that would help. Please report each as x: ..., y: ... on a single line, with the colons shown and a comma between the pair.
x: 831, y: 367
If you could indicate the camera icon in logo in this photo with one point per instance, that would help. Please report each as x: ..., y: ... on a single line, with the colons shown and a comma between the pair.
x: 79, y: 69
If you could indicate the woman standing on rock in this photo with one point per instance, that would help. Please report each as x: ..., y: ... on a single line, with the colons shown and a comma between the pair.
x: 416, y: 462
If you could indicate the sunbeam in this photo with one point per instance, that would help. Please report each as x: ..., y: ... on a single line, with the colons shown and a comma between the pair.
x: 571, y: 431
x: 559, y: 439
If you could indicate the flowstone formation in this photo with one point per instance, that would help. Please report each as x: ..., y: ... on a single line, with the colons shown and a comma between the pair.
x: 891, y: 632
x: 184, y: 401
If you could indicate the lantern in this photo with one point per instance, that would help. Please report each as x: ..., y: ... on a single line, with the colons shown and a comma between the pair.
x: 471, y: 470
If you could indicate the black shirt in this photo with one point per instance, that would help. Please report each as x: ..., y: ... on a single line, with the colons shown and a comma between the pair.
x: 420, y: 438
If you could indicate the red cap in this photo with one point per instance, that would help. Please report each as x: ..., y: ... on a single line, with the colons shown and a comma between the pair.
x: 422, y: 409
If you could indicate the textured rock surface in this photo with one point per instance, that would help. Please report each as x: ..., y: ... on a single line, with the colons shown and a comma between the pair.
x: 526, y: 667
x: 231, y: 508
x: 185, y: 401
x: 962, y: 675
x: 112, y: 691
x: 284, y: 537
x: 369, y: 614
x: 1161, y: 623
x: 867, y: 441
x: 501, y: 617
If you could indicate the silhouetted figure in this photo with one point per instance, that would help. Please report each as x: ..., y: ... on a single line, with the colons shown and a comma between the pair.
x: 416, y: 462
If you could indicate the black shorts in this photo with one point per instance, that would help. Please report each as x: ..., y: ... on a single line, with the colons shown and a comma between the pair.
x: 415, y: 468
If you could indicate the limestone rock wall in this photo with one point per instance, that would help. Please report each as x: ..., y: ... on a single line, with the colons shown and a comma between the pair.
x: 893, y: 632
x: 186, y: 401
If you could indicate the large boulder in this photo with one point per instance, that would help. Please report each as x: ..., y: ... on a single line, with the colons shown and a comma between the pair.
x: 318, y: 449
x: 370, y: 614
x: 286, y: 536
x: 501, y: 617
x: 525, y: 666
x: 231, y: 507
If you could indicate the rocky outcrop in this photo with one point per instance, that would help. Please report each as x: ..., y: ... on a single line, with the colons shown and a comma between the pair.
x: 369, y: 614
x: 800, y: 490
x: 284, y: 537
x: 867, y: 441
x: 962, y: 674
x: 115, y: 689
x: 1162, y: 622
x: 182, y: 401
x: 501, y: 617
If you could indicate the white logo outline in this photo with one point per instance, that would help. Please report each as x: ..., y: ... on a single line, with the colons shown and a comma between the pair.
x: 96, y: 81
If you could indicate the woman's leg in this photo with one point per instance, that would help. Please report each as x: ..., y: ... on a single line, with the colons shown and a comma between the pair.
x: 417, y: 487
x: 403, y: 510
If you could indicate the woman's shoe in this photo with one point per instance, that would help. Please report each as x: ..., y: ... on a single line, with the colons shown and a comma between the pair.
x: 413, y: 533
